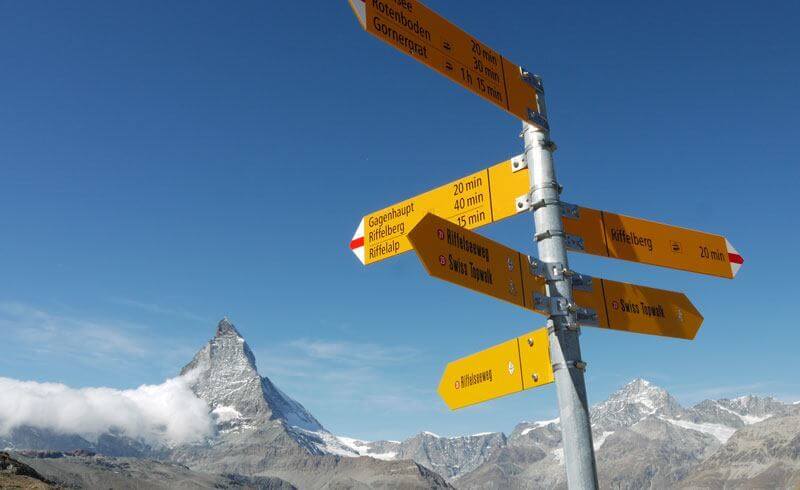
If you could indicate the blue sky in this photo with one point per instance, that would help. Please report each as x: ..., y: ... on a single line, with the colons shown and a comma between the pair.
x: 165, y: 164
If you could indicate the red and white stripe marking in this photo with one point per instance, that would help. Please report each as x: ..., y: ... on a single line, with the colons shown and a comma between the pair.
x: 360, y: 9
x: 734, y: 258
x: 357, y: 243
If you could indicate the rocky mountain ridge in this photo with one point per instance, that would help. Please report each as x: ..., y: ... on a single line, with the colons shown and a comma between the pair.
x: 643, y: 437
x: 639, y: 410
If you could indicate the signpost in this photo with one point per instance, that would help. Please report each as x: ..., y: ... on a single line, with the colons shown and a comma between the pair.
x: 472, y: 201
x: 429, y: 38
x: 519, y: 364
x: 470, y: 260
x: 622, y: 237
x: 450, y: 251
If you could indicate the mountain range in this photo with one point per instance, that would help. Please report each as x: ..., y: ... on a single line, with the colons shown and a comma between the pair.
x: 262, y: 438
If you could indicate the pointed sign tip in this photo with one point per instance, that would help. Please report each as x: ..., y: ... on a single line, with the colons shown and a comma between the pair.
x: 735, y: 258
x: 357, y: 243
x: 360, y: 10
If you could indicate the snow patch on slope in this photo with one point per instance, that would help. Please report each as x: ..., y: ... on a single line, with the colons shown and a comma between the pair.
x: 540, y: 423
x: 224, y: 414
x: 753, y: 419
x: 721, y: 432
x: 361, y: 448
x: 747, y: 419
x: 600, y: 440
x: 326, y: 442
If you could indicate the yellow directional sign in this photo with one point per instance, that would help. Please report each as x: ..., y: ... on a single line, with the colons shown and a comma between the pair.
x: 638, y: 309
x: 622, y: 237
x: 472, y: 201
x: 465, y: 258
x: 470, y: 260
x: 518, y: 364
x: 421, y: 33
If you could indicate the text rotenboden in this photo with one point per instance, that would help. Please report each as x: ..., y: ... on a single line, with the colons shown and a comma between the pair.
x: 418, y: 31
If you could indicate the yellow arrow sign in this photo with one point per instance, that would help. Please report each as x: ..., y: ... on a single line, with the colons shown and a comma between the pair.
x: 465, y: 258
x: 638, y: 309
x: 518, y: 364
x: 622, y: 237
x: 429, y: 38
x: 472, y: 201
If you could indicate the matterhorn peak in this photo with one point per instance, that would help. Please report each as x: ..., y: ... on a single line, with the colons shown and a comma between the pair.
x: 224, y: 375
x: 225, y: 327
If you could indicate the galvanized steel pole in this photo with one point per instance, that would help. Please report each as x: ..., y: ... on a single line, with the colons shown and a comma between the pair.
x: 565, y: 349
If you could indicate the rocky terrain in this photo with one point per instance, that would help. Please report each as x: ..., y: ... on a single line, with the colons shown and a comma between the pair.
x: 643, y: 438
x: 81, y: 469
x: 16, y: 474
x: 762, y: 455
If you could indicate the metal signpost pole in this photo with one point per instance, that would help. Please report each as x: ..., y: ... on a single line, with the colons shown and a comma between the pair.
x: 565, y: 348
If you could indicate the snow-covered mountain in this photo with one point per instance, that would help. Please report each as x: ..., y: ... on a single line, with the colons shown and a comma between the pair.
x: 643, y: 438
x: 258, y: 431
x: 262, y: 431
x: 764, y: 454
x: 224, y: 375
x: 448, y: 456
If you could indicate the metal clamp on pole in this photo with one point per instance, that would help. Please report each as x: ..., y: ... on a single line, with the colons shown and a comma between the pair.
x: 544, y: 202
x: 547, y: 185
x: 518, y: 163
x: 570, y: 211
x: 574, y: 243
x: 570, y: 327
x: 547, y: 234
x: 554, y: 305
x: 551, y: 271
x: 532, y: 80
x: 587, y: 316
x: 579, y: 365
x: 581, y: 282
x: 526, y: 203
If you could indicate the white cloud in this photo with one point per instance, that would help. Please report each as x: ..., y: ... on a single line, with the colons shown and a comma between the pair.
x: 46, y: 333
x: 352, y: 352
x: 160, y: 310
x: 168, y: 413
x: 351, y: 375
x: 696, y: 393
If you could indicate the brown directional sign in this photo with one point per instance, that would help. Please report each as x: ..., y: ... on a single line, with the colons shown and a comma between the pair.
x: 622, y: 237
x: 475, y: 200
x: 465, y: 258
x: 426, y: 36
x: 519, y: 364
